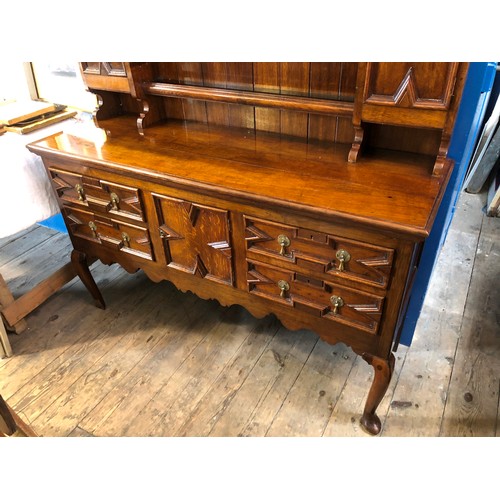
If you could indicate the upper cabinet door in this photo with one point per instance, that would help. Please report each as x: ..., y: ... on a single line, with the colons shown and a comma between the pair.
x: 104, y: 68
x: 112, y: 76
x: 424, y: 85
x: 409, y: 94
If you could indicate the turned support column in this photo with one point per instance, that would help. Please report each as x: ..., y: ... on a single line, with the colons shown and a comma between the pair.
x: 79, y: 261
x: 383, y: 370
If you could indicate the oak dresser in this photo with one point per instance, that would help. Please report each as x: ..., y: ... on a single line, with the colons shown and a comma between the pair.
x: 305, y: 190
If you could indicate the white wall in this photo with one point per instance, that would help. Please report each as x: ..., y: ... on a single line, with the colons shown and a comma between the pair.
x: 13, y: 84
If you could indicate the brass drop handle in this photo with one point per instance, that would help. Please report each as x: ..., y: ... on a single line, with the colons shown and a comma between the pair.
x: 93, y: 228
x: 343, y: 256
x: 284, y: 287
x: 80, y: 191
x: 284, y: 242
x: 114, y: 201
x: 126, y: 239
x: 336, y: 302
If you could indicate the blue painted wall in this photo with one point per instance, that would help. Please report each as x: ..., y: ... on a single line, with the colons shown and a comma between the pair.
x: 465, y: 134
x: 55, y: 222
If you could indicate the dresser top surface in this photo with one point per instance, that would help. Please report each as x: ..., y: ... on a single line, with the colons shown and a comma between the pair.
x: 386, y: 189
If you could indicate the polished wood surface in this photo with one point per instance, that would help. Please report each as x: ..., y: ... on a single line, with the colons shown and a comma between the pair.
x: 312, y: 178
x: 324, y: 85
x: 250, y: 98
x: 322, y: 233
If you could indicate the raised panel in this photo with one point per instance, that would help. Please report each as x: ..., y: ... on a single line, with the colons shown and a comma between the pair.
x: 114, y: 68
x: 104, y: 68
x: 426, y: 85
x: 196, y: 238
x: 91, y: 68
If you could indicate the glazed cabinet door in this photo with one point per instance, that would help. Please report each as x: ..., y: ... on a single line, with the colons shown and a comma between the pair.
x: 196, y: 238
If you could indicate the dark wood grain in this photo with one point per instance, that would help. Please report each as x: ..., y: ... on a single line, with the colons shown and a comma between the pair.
x: 215, y: 75
x: 267, y: 80
x: 294, y: 81
x: 240, y: 77
x: 382, y: 376
x: 190, y: 73
x: 324, y: 84
x: 80, y: 263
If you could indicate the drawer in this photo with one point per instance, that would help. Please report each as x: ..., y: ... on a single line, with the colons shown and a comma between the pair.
x: 316, y: 297
x: 98, y: 195
x: 318, y: 253
x: 111, y: 233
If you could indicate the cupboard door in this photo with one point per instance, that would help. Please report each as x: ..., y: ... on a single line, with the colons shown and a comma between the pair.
x: 106, y: 76
x: 425, y: 85
x: 196, y: 238
x: 408, y: 94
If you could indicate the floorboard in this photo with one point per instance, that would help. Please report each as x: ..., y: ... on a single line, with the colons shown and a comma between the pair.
x: 472, y: 406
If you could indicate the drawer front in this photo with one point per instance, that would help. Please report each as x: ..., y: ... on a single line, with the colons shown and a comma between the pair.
x: 196, y: 238
x: 98, y: 195
x: 316, y: 297
x: 114, y: 234
x: 323, y: 254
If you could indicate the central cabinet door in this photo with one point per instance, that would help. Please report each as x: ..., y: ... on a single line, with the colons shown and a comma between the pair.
x: 196, y: 238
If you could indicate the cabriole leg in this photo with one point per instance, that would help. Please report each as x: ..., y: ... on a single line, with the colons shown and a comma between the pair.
x: 79, y: 261
x: 382, y: 376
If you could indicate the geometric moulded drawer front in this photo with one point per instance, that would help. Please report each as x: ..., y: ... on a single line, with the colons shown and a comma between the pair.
x: 196, y: 238
x: 318, y: 298
x: 98, y: 195
x: 318, y: 253
x: 109, y: 232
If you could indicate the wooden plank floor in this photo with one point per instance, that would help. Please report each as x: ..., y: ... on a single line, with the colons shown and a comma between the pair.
x: 159, y: 362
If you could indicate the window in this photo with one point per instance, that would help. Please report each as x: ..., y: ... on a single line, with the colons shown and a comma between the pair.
x: 61, y: 83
